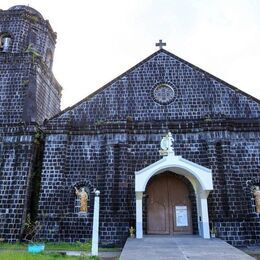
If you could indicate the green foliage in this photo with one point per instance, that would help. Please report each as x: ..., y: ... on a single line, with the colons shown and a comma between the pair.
x: 213, y: 228
x: 35, y: 181
x: 33, y: 18
x: 31, y: 228
x: 78, y: 246
x: 25, y: 82
x: 28, y: 223
x: 131, y: 231
x: 34, y: 52
x: 109, y: 249
x: 5, y: 34
x: 13, y: 246
x: 99, y: 122
x: 10, y: 255
x: 75, y: 246
x: 38, y: 137
x: 84, y: 246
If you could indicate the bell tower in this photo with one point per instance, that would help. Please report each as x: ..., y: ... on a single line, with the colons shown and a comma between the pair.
x: 29, y: 92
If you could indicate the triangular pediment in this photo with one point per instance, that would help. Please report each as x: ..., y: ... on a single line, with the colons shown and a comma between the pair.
x: 195, y: 94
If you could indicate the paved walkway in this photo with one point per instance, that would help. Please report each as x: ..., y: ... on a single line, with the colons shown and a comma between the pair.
x: 180, y: 247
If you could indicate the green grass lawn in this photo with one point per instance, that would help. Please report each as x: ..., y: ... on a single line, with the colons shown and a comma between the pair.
x: 76, y: 246
x: 17, y: 251
x: 11, y: 255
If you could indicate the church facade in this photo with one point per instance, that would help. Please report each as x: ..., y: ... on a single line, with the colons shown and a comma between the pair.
x: 171, y: 148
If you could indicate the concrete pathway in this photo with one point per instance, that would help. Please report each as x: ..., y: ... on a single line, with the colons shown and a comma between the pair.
x: 180, y: 247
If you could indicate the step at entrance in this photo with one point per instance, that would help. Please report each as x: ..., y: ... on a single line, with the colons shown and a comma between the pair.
x: 181, y: 247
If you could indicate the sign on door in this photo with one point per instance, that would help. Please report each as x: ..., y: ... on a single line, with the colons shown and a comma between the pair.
x: 181, y: 216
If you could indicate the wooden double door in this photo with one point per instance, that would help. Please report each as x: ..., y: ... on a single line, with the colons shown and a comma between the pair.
x: 168, y: 205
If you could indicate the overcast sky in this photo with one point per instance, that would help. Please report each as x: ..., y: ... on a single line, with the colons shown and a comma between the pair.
x: 99, y: 40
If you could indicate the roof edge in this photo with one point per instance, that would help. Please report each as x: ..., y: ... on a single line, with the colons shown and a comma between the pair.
x: 106, y: 85
x: 142, y: 62
x: 212, y: 76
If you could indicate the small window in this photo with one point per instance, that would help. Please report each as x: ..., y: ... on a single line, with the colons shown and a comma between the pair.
x: 5, y: 42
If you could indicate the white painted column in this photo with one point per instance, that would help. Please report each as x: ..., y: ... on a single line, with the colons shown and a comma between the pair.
x: 198, y: 213
x: 94, y: 248
x: 204, y: 217
x: 139, y: 214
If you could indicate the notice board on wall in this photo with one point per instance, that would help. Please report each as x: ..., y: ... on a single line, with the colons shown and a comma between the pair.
x: 181, y: 216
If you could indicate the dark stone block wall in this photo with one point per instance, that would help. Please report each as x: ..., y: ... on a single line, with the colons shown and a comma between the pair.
x: 13, y: 80
x: 59, y: 180
x: 16, y: 169
x: 29, y: 94
x: 27, y: 28
x: 198, y: 95
x: 116, y: 131
x: 43, y: 94
x: 101, y: 141
x: 108, y: 159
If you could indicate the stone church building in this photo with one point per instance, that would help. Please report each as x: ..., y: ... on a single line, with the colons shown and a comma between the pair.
x: 171, y: 148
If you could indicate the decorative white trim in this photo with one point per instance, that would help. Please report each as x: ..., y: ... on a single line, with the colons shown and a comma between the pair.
x: 139, y: 214
x: 179, y: 165
x: 199, y: 176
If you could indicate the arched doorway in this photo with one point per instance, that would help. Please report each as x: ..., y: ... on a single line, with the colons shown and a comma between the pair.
x: 169, y: 205
x: 199, y: 176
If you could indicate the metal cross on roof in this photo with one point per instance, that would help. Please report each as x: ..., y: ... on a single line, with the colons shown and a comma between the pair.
x: 160, y: 44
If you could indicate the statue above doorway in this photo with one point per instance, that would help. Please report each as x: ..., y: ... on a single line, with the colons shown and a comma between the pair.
x: 167, y: 145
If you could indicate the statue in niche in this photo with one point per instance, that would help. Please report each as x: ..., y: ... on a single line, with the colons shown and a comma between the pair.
x: 83, y: 196
x: 256, y: 192
x: 166, y: 144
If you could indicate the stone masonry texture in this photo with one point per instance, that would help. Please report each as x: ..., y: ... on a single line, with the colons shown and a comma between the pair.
x: 29, y: 94
x: 101, y: 141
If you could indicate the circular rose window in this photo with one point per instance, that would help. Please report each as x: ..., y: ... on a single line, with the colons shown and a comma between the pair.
x: 164, y: 93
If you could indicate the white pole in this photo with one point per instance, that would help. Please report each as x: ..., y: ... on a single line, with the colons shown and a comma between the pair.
x: 94, y: 249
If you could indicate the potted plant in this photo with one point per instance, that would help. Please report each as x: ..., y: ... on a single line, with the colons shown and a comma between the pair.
x: 132, y: 232
x: 31, y: 231
x: 213, y: 231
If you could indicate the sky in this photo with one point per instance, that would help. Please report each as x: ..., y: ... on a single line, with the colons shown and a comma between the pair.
x: 99, y: 40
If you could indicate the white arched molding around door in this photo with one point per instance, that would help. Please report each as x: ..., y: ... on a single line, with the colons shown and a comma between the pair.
x: 199, y: 176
